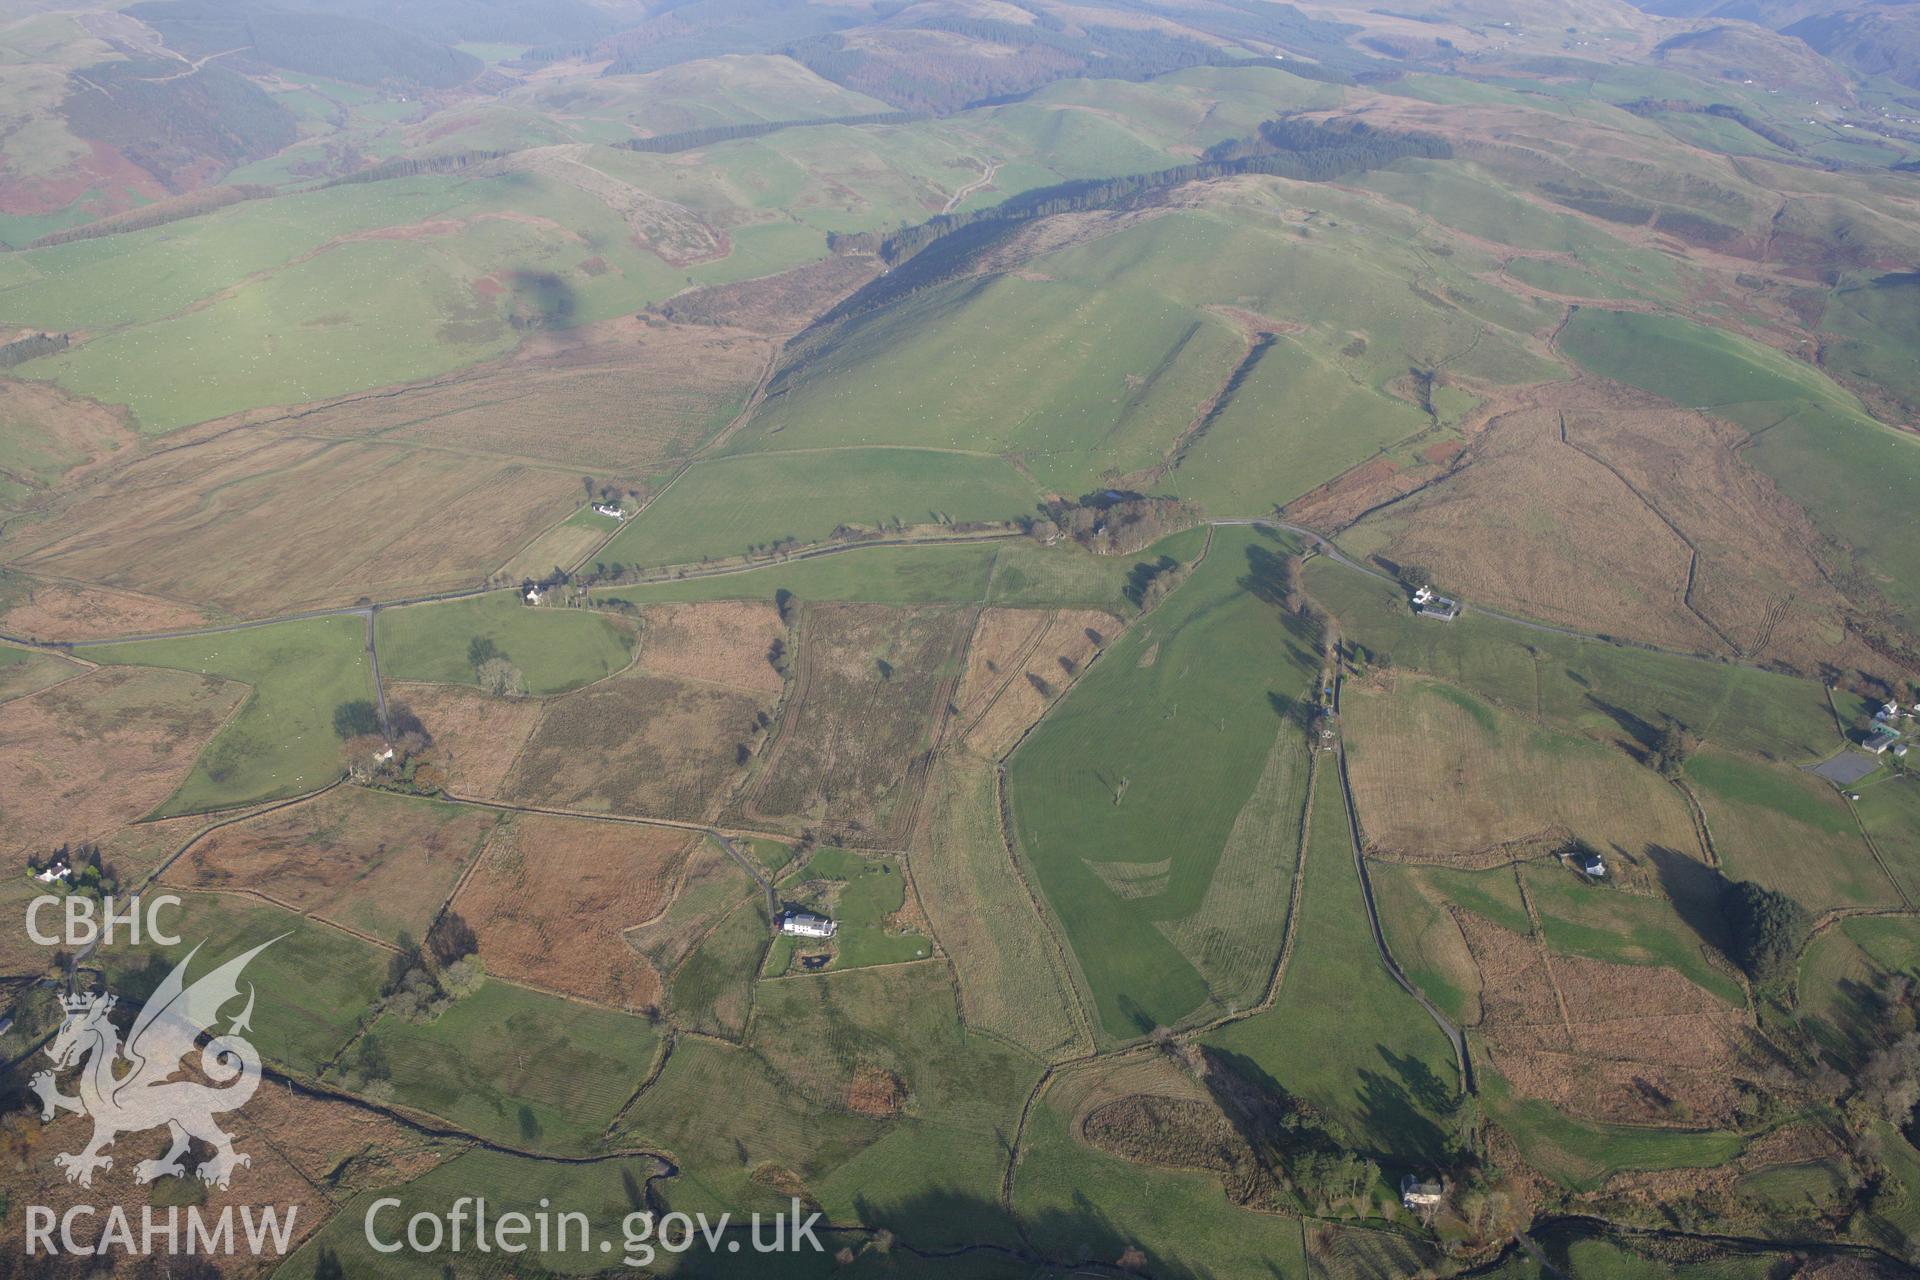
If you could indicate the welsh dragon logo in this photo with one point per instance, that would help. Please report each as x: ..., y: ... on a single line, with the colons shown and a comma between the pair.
x: 132, y: 1089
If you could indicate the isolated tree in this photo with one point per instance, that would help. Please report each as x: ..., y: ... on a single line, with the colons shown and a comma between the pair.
x: 1889, y: 1080
x: 356, y: 719
x: 1671, y: 748
x: 451, y: 939
x: 481, y: 648
x: 405, y: 959
x: 1415, y: 576
x: 1767, y: 929
x: 498, y: 676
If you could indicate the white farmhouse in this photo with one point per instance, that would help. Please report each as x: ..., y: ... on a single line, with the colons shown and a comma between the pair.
x: 805, y: 924
x: 1415, y: 1194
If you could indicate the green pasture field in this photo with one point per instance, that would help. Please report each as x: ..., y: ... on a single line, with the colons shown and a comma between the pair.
x: 796, y: 178
x: 1006, y: 960
x: 1580, y: 1156
x: 1875, y: 328
x: 775, y: 855
x: 1599, y: 1255
x: 862, y: 894
x: 281, y: 742
x: 604, y: 1190
x: 522, y: 1068
x: 315, y: 983
x: 723, y: 508
x: 712, y: 887
x: 1297, y: 420
x: 24, y: 671
x: 712, y: 991
x: 1853, y: 476
x: 1608, y: 923
x: 1895, y: 1218
x: 1792, y: 1193
x: 277, y: 302
x: 1789, y: 830
x: 1889, y: 809
x: 723, y: 1113
x: 1561, y: 277
x: 555, y: 649
x: 1003, y: 364
x: 1119, y: 831
x: 1579, y: 683
x: 1342, y: 1034
x: 607, y: 1191
x: 1001, y: 571
x: 1079, y: 1203
x: 140, y: 276
x: 1842, y: 979
x: 1231, y: 937
x: 1000, y: 364
x: 1426, y: 942
x: 958, y: 1090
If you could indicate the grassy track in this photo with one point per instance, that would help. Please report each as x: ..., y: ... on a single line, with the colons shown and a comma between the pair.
x: 282, y: 741
x: 719, y: 509
x: 1003, y: 571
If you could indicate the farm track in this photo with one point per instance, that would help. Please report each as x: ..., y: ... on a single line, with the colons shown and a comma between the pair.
x: 1319, y: 541
x: 979, y: 183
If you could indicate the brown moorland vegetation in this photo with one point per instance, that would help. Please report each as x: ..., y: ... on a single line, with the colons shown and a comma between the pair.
x: 871, y: 685
x: 1019, y: 662
x: 550, y: 899
x: 721, y: 642
x: 310, y: 1155
x: 323, y: 522
x: 374, y: 862
x: 1604, y: 509
x: 52, y: 434
x: 88, y: 756
x: 641, y: 745
x: 1440, y: 777
x: 476, y: 736
x: 623, y: 396
x: 1604, y: 1041
x: 59, y: 611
